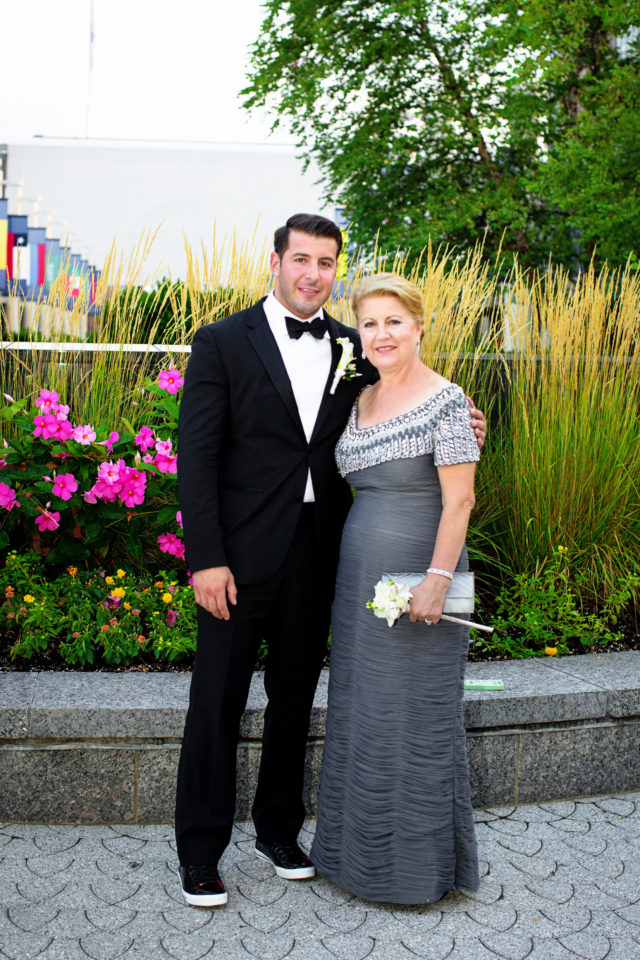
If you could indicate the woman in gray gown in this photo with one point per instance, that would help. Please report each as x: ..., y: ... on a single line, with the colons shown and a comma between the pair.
x: 395, y: 822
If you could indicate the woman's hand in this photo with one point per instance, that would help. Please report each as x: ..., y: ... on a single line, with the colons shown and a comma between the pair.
x: 478, y: 422
x: 428, y: 598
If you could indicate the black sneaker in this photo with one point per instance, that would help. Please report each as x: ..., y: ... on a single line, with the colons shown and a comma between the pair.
x: 287, y: 858
x: 202, y: 886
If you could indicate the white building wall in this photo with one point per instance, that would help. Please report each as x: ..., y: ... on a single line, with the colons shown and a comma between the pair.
x: 118, y: 189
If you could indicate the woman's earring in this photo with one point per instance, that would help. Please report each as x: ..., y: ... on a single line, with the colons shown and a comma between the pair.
x: 418, y: 347
x: 364, y: 356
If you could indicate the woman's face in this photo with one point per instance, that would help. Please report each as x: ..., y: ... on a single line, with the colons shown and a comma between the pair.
x: 389, y: 333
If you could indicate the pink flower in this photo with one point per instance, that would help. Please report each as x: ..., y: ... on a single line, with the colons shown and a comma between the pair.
x: 8, y: 397
x: 46, y: 399
x: 7, y: 497
x: 148, y: 458
x: 169, y: 543
x: 89, y: 496
x: 110, y: 472
x: 63, y: 430
x: 163, y: 446
x: 64, y: 486
x: 133, y: 485
x: 50, y: 520
x: 179, y: 518
x: 84, y: 435
x: 144, y: 439
x: 170, y: 380
x: 111, y: 439
x: 61, y: 410
x: 166, y: 464
x: 3, y: 463
x: 172, y: 616
x: 45, y: 425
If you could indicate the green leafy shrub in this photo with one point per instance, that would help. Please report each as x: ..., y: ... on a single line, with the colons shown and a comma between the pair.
x: 544, y: 610
x: 95, y: 618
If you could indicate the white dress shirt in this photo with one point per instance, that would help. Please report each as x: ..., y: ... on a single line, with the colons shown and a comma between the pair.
x: 307, y: 361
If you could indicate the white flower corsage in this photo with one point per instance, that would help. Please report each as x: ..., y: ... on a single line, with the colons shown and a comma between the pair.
x: 346, y: 364
x: 390, y: 600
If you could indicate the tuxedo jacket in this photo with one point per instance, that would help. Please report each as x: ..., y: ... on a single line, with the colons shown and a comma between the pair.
x: 243, y: 456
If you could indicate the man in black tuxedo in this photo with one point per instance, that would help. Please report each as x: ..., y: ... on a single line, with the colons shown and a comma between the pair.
x: 263, y: 508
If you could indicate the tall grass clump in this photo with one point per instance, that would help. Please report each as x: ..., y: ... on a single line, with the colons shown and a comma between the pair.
x: 562, y: 466
x: 106, y: 385
x: 552, y: 361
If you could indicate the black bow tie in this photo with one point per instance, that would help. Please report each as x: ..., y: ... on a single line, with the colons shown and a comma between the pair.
x: 317, y: 327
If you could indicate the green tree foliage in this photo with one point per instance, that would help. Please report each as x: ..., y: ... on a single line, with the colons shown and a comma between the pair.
x: 460, y: 119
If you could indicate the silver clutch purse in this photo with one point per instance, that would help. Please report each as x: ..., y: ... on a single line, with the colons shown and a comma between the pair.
x: 460, y: 595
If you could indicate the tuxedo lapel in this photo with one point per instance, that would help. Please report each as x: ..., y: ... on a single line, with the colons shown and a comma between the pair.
x: 264, y: 343
x: 336, y: 353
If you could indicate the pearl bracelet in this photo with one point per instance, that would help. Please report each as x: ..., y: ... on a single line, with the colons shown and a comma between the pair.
x: 443, y: 573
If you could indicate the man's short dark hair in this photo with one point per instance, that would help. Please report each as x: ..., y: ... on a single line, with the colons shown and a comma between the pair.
x: 309, y: 223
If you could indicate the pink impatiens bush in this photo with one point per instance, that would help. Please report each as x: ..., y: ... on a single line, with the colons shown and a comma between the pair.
x: 83, y: 492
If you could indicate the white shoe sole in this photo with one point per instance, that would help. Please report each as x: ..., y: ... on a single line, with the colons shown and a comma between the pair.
x: 296, y: 873
x: 205, y: 899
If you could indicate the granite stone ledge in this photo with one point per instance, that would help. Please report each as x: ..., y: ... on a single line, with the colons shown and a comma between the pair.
x: 556, y: 764
x: 67, y: 785
x: 16, y: 694
x: 152, y: 706
x: 532, y: 694
x: 616, y: 673
x: 109, y: 705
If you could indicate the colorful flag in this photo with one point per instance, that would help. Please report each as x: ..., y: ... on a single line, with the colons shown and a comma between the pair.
x: 52, y: 268
x: 18, y: 254
x: 4, y: 231
x: 38, y: 250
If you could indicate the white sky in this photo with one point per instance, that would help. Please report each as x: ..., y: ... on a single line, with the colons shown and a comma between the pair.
x: 162, y: 69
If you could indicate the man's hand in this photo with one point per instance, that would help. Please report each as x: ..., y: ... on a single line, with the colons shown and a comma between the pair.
x: 478, y: 423
x: 212, y: 588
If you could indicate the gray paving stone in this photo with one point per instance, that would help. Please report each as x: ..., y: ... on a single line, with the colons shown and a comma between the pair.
x: 24, y: 946
x: 347, y: 946
x: 550, y: 950
x: 434, y: 947
x: 624, y: 949
x: 588, y: 945
x: 470, y: 950
x: 549, y: 888
x: 64, y: 948
x: 511, y: 946
x: 188, y: 946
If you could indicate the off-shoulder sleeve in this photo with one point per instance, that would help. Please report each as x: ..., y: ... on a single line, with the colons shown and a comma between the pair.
x: 453, y: 438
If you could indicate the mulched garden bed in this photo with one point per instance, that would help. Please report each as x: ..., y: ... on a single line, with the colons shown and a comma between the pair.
x: 51, y: 659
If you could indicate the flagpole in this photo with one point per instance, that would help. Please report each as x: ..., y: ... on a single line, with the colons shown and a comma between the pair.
x: 90, y: 68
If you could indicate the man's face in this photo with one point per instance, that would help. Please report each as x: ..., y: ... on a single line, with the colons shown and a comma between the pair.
x: 305, y: 272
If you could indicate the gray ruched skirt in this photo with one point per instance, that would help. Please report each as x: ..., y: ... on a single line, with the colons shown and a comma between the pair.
x: 395, y: 822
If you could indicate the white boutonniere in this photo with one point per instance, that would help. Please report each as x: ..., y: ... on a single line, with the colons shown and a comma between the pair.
x: 346, y: 364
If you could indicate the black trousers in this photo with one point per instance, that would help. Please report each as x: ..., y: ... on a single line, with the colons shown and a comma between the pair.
x: 291, y: 611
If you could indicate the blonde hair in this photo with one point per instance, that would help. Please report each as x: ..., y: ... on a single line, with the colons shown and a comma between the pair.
x: 389, y: 285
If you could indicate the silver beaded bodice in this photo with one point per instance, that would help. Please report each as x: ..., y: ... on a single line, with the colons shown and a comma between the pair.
x: 441, y: 425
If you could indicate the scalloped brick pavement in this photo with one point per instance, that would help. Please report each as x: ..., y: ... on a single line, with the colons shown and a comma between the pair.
x: 560, y: 881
